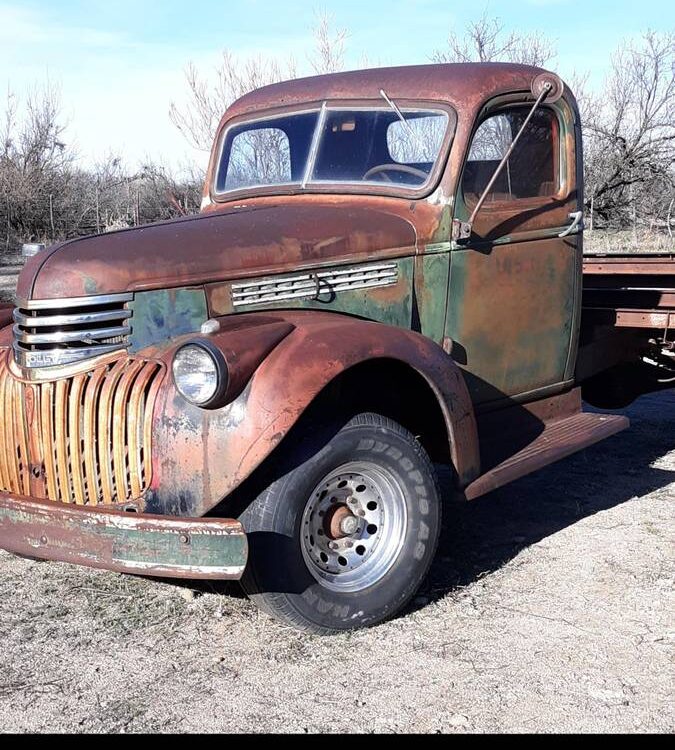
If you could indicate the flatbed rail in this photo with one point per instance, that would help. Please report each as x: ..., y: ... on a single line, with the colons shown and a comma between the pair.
x: 630, y: 291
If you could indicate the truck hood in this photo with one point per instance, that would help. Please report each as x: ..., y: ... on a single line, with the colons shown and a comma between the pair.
x: 235, y: 243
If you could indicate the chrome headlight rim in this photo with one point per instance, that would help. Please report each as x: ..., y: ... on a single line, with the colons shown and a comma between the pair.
x: 222, y: 373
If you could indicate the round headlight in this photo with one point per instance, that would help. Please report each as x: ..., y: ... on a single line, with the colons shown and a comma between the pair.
x: 198, y: 373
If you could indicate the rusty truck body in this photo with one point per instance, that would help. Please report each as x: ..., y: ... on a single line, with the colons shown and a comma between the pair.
x: 387, y: 273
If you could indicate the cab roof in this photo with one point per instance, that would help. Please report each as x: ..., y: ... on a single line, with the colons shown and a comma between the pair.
x: 457, y: 84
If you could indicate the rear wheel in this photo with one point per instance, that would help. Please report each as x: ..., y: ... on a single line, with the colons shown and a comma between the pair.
x: 345, y: 537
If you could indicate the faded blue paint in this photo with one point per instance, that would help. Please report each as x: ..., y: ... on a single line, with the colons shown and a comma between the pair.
x: 162, y: 315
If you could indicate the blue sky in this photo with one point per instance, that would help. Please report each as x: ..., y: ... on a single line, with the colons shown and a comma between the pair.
x: 120, y: 64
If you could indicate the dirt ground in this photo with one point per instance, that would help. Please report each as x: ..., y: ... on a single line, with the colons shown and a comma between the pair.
x: 550, y: 608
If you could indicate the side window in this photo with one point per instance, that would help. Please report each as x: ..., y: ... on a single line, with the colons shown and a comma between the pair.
x: 259, y: 156
x: 532, y: 168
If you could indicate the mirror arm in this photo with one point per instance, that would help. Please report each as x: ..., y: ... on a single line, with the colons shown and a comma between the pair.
x: 464, y: 228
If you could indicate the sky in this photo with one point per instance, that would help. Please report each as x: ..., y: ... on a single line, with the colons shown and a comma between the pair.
x: 119, y: 65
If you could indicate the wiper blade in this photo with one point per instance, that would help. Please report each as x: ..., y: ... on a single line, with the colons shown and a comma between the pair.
x: 396, y: 109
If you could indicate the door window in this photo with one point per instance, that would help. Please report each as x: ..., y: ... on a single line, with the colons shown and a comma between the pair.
x: 532, y: 169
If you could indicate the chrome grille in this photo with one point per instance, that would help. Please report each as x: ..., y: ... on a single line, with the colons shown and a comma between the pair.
x: 313, y: 285
x: 51, y: 333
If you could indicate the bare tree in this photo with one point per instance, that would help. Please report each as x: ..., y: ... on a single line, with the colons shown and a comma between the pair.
x: 209, y: 94
x: 630, y: 134
x: 36, y: 165
x: 486, y: 40
x: 330, y: 46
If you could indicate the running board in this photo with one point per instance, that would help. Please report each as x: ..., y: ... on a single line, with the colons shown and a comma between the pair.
x: 558, y: 440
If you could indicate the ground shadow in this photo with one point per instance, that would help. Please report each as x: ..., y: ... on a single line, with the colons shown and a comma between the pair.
x: 480, y: 537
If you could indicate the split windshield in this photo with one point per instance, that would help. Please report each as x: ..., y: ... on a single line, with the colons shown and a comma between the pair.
x: 333, y: 145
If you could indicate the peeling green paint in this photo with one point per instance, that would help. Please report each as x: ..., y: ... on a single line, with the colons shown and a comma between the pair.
x: 431, y: 292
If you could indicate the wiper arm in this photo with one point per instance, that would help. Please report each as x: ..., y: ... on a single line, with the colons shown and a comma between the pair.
x: 396, y: 109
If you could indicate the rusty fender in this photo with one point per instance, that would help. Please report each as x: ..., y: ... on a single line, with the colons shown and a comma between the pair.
x: 201, y: 456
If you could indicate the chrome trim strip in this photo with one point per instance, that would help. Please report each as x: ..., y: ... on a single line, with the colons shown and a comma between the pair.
x: 90, y: 337
x: 313, y: 285
x: 56, y: 304
x: 58, y: 372
x: 61, y: 357
x: 70, y: 320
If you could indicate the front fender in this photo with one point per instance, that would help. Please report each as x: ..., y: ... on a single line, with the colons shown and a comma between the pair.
x: 201, y: 456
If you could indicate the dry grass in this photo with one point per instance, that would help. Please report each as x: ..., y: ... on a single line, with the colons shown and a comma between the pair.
x: 550, y: 608
x: 625, y: 241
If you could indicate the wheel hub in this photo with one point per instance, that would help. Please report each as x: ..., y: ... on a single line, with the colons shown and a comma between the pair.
x: 340, y: 522
x: 353, y: 527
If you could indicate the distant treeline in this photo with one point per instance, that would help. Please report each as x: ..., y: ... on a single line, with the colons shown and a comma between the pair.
x: 629, y: 139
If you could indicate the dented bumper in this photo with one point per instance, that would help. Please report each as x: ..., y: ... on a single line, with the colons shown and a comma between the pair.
x: 159, y: 546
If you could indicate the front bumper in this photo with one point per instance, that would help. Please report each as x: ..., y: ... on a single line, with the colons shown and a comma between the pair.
x: 160, y: 546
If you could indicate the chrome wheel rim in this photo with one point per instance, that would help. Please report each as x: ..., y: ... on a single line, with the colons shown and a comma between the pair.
x: 353, y: 527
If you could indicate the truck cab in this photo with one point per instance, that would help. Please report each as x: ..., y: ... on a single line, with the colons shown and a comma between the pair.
x: 386, y: 275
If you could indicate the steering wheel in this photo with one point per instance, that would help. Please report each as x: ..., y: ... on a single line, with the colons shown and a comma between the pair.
x: 382, y: 168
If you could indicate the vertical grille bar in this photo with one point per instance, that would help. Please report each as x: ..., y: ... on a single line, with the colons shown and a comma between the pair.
x: 61, y: 441
x: 75, y: 435
x: 4, y: 452
x: 104, y: 432
x: 48, y: 440
x: 32, y: 423
x: 19, y: 416
x: 119, y: 430
x: 135, y: 429
x: 91, y: 433
x: 15, y: 486
x: 147, y: 431
x: 89, y: 423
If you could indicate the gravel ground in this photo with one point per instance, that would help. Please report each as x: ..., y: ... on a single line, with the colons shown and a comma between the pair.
x: 549, y: 609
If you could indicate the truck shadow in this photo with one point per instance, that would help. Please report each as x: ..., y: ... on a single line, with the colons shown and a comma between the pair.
x: 480, y: 537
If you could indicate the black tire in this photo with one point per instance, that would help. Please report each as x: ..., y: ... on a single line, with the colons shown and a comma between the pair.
x: 286, y: 576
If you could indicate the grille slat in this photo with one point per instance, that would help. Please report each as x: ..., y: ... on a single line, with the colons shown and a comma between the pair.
x: 62, y: 388
x: 92, y: 337
x: 19, y: 418
x: 57, y: 321
x: 4, y: 465
x: 135, y: 429
x: 121, y: 444
x: 105, y: 431
x: 47, y: 432
x: 78, y: 433
x: 313, y: 285
x: 75, y: 439
x: 8, y: 416
x: 51, y: 333
x: 90, y: 431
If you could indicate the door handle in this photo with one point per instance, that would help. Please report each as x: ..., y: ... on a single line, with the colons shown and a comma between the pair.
x: 577, y: 221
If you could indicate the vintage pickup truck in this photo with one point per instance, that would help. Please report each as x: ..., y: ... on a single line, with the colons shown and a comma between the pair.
x: 387, y: 274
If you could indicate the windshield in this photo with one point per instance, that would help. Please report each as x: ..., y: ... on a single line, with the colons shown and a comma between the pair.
x: 333, y: 145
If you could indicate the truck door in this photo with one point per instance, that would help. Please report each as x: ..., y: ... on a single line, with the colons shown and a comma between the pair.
x: 515, y: 285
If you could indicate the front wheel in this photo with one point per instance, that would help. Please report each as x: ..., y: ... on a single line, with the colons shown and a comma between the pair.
x: 345, y: 537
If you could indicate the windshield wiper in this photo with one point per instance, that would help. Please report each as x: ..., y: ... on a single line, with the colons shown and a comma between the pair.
x: 396, y: 109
